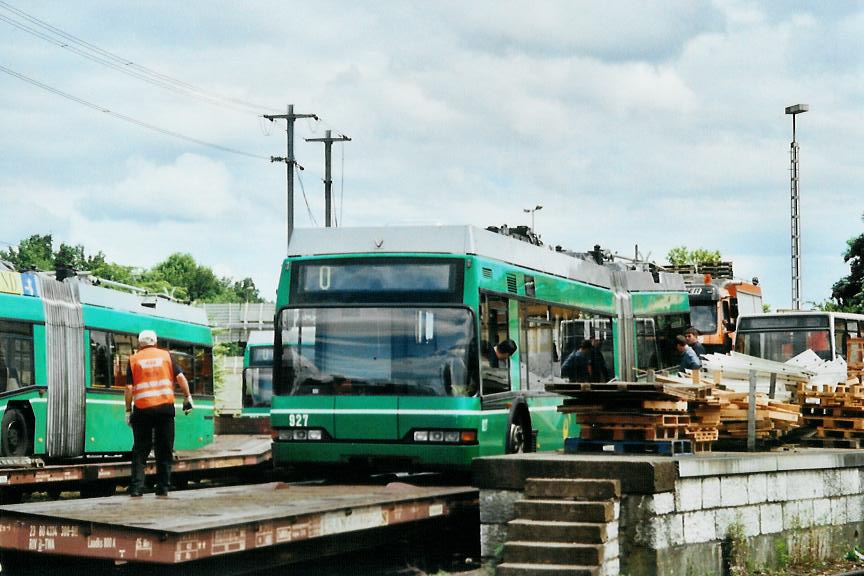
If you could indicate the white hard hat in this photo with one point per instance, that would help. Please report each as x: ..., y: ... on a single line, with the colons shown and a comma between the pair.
x: 147, y: 338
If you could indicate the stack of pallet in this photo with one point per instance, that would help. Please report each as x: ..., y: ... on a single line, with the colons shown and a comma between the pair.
x: 837, y: 414
x: 773, y: 418
x: 638, y: 417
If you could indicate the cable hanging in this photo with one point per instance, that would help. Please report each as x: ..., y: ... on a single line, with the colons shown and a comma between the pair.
x: 129, y: 119
x: 306, y: 200
x: 96, y: 54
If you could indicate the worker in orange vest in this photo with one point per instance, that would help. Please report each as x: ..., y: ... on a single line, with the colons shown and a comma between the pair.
x: 150, y: 379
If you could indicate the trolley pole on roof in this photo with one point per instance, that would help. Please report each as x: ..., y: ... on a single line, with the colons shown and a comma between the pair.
x: 796, y: 209
x: 328, y: 182
x: 289, y: 118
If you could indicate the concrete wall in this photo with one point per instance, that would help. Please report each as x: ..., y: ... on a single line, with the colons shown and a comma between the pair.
x: 778, y: 507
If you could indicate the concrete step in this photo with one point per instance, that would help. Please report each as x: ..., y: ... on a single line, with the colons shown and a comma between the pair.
x: 572, y: 489
x: 513, y: 569
x: 565, y: 510
x: 519, y: 552
x: 557, y: 531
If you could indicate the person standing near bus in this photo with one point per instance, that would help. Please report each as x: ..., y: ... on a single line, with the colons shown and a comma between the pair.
x: 577, y: 366
x: 692, y: 337
x: 689, y: 359
x: 150, y: 379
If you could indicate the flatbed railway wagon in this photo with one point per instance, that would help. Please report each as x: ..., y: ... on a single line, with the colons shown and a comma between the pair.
x: 397, y: 326
x: 64, y: 350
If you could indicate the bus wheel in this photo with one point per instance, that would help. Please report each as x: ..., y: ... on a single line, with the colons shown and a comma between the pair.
x: 16, y: 434
x: 519, y: 436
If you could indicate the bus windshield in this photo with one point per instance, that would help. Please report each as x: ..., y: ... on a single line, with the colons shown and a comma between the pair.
x: 414, y: 351
x: 783, y: 345
x: 704, y: 317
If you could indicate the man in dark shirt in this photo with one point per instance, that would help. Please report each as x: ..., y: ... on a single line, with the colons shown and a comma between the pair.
x: 692, y: 337
x: 577, y: 366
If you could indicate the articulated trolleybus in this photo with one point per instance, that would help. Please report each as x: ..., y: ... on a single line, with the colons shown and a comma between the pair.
x: 396, y: 328
x: 64, y: 351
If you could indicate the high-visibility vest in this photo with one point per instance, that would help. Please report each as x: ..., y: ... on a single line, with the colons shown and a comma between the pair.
x: 152, y: 378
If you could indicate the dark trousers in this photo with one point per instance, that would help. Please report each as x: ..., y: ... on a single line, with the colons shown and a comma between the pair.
x: 152, y: 430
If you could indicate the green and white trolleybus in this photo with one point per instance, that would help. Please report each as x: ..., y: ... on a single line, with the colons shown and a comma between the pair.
x: 397, y: 325
x: 64, y: 350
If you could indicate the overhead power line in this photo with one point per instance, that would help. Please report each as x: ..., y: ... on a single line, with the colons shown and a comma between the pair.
x: 126, y: 118
x: 96, y: 54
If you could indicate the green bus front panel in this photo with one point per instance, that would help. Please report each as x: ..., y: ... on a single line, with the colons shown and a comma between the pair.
x: 365, y: 418
x: 431, y: 457
x: 437, y: 413
x: 303, y: 412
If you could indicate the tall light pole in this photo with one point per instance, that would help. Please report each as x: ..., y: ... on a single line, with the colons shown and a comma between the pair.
x: 532, y: 211
x: 796, y: 208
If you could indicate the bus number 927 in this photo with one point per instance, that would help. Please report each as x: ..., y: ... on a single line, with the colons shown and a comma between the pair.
x: 298, y: 420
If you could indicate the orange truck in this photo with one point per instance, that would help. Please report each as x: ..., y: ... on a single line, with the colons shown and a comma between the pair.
x: 716, y: 301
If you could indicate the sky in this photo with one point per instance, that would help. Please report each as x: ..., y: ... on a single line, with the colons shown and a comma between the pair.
x: 633, y: 123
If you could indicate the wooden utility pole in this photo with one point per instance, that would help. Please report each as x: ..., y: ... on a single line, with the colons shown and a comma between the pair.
x: 328, y: 182
x: 289, y: 118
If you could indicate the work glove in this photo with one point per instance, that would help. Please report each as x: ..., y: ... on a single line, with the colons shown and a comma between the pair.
x: 129, y: 418
x: 187, y: 406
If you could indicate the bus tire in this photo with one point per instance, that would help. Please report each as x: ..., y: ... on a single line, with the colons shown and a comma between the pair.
x: 16, y: 438
x: 519, y: 436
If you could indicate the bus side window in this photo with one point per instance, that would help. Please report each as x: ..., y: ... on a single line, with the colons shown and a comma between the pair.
x: 841, y: 337
x: 494, y: 373
x: 100, y: 358
x: 204, y: 370
x: 16, y: 355
x: 124, y: 346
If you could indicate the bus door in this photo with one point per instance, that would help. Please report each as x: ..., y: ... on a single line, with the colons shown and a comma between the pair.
x: 496, y: 375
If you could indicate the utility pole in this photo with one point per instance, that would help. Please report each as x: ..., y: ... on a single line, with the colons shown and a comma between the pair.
x: 289, y: 118
x: 328, y: 182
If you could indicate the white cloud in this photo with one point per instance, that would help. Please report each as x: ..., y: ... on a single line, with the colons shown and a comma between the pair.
x: 653, y: 123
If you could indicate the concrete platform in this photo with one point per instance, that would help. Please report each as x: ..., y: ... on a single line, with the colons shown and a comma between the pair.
x: 198, y: 524
x: 650, y: 473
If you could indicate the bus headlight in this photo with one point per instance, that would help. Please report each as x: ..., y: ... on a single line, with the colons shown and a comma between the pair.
x: 467, y: 436
x: 301, y: 434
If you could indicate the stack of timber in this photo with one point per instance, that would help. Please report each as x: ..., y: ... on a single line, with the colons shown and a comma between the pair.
x: 640, y: 417
x: 773, y: 418
x: 837, y: 414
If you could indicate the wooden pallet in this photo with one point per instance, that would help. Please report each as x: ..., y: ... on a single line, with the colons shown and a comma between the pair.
x: 702, y: 446
x: 668, y: 448
x: 648, y: 390
x: 701, y: 435
x: 823, y: 432
x: 629, y: 432
x: 617, y: 418
x: 846, y: 443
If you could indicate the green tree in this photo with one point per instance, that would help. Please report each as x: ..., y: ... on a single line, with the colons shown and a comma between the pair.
x: 848, y: 292
x: 71, y: 257
x: 179, y: 275
x: 194, y: 282
x: 33, y: 253
x: 246, y: 291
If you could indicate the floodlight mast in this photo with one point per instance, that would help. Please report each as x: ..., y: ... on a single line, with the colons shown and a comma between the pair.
x: 796, y: 207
